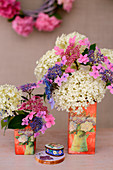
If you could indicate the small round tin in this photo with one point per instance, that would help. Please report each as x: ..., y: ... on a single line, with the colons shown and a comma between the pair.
x: 54, y: 149
x: 44, y: 158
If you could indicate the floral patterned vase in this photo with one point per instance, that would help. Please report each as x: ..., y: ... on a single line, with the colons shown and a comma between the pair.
x: 25, y: 144
x: 82, y: 131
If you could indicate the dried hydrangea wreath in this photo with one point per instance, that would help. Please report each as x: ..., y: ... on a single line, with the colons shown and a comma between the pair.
x: 43, y: 19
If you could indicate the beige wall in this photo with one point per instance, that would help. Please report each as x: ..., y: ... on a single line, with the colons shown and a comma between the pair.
x: 18, y: 55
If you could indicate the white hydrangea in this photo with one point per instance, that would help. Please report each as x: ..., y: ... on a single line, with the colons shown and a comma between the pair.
x: 63, y: 41
x: 10, y: 98
x: 79, y: 90
x: 108, y: 53
x: 50, y: 58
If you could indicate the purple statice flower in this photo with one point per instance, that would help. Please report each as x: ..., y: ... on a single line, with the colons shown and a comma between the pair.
x: 107, y: 75
x: 36, y: 124
x: 27, y: 87
x: 95, y: 58
x: 54, y: 72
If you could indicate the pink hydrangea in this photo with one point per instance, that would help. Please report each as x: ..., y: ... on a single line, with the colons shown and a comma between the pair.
x: 46, y: 23
x: 9, y: 8
x: 23, y: 26
x: 67, y: 4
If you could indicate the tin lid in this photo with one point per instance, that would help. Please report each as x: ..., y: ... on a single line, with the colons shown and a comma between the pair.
x: 54, y: 146
x: 44, y: 158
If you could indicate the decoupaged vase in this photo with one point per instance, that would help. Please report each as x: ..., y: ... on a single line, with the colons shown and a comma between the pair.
x: 25, y: 144
x: 82, y: 131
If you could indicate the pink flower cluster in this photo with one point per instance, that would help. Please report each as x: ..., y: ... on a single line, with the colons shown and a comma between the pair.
x: 72, y: 52
x: 23, y: 26
x: 35, y: 104
x: 97, y: 69
x: 9, y: 8
x: 67, y: 4
x: 59, y: 80
x: 46, y: 23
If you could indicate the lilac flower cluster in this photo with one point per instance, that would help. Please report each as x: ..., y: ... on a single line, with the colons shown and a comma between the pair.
x: 107, y: 76
x: 27, y: 87
x: 54, y: 71
x: 95, y: 58
x: 36, y: 124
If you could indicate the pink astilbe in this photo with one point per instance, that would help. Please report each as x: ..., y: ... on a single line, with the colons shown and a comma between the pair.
x: 35, y: 104
x: 23, y: 26
x: 46, y: 23
x: 72, y: 52
x: 9, y: 8
x: 67, y: 4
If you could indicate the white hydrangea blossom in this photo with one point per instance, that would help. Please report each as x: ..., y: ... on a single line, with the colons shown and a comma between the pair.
x: 79, y: 90
x: 63, y: 41
x: 10, y: 98
x: 108, y: 53
x: 50, y: 58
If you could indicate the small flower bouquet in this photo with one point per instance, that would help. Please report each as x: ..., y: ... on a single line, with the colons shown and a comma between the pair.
x: 76, y: 75
x: 24, y: 113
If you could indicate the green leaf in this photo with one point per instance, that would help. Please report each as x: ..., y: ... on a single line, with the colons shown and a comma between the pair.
x: 15, y: 123
x: 85, y: 51
x: 44, y: 96
x: 20, y: 143
x: 24, y: 97
x: 3, y: 124
x: 16, y: 137
x: 92, y: 130
x: 93, y: 47
x: 40, y: 95
x: 21, y: 112
x: 58, y: 16
x: 11, y: 19
x: 108, y: 83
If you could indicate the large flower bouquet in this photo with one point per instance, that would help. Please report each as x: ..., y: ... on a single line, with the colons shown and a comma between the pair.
x: 75, y: 73
x: 19, y: 111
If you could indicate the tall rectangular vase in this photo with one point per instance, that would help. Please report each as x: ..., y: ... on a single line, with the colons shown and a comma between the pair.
x: 82, y: 131
x: 25, y: 144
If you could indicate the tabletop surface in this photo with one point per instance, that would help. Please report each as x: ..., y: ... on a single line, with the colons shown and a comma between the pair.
x: 102, y: 160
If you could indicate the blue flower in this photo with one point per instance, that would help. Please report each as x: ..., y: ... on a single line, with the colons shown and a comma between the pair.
x: 36, y: 124
x: 51, y: 102
x: 54, y: 72
x: 48, y: 88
